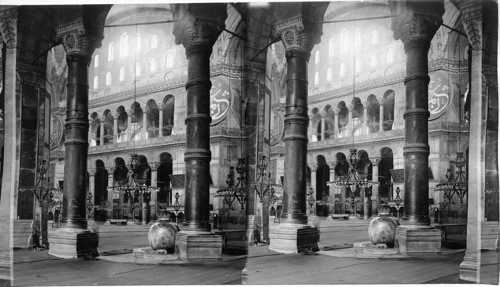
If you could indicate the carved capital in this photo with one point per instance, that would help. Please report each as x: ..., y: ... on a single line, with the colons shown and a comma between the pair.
x: 314, y: 167
x: 31, y: 75
x: 8, y: 26
x: 111, y: 171
x: 296, y: 40
x: 199, y: 25
x: 416, y: 23
x: 75, y: 41
x: 332, y: 165
x: 472, y: 20
x: 375, y: 161
x: 102, y: 118
x: 92, y: 172
x: 154, y: 166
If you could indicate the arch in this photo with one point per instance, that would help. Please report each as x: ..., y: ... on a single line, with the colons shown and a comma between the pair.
x: 373, y: 114
x: 122, y: 124
x: 331, y: 48
x: 168, y: 109
x: 108, y: 127
x: 343, y: 119
x: 163, y: 182
x: 95, y: 130
x: 357, y: 116
x: 342, y: 167
x: 316, y: 124
x: 344, y: 40
x: 124, y: 45
x: 152, y: 121
x: 329, y: 117
x: 388, y: 102
x: 100, y: 183
x: 136, y: 121
x: 384, y: 172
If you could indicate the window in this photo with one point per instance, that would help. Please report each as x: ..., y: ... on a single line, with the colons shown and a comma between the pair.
x: 390, y: 55
x: 170, y: 60
x: 357, y: 38
x: 316, y: 57
x: 138, y: 42
x: 358, y: 66
x: 344, y: 40
x: 110, y: 52
x: 154, y: 42
x: 342, y: 69
x: 108, y: 78
x: 124, y: 45
x: 316, y: 78
x: 374, y: 38
x: 96, y: 82
x: 329, y: 74
x: 138, y: 69
x: 153, y: 65
x: 122, y: 74
x: 373, y: 60
x: 96, y: 61
x: 331, y: 48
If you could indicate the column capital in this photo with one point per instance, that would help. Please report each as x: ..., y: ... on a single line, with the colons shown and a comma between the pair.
x: 314, y: 167
x: 199, y: 25
x: 154, y: 166
x: 75, y: 40
x: 375, y: 161
x: 92, y: 172
x: 31, y: 75
x: 416, y: 22
x: 332, y: 165
x: 102, y: 118
x: 472, y: 20
x: 8, y: 26
x: 296, y: 40
x: 111, y: 171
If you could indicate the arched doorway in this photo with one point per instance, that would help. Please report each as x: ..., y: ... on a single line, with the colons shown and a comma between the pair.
x: 164, y: 172
x: 384, y: 173
x: 322, y: 188
x: 100, y: 191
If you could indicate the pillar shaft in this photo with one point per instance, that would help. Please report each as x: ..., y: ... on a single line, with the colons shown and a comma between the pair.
x: 101, y: 135
x: 144, y: 124
x: 365, y: 120
x: 76, y: 144
x: 129, y: 126
x: 375, y: 187
x: 336, y: 125
x: 381, y: 117
x: 322, y: 128
x: 115, y: 129
x: 160, y: 122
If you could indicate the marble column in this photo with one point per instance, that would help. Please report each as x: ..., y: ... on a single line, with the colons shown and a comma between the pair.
x: 310, y: 130
x: 415, y: 24
x: 129, y: 125
x: 350, y: 127
x: 144, y: 130
x: 160, y: 121
x: 336, y: 123
x: 294, y: 234
x: 332, y: 188
x: 375, y: 187
x: 154, y: 195
x: 115, y: 128
x: 73, y: 239
x: 198, y: 28
x: 92, y: 173
x: 365, y: 119
x: 323, y: 126
x: 381, y: 117
x: 480, y: 22
x: 101, y: 129
x: 111, y: 194
x: 314, y: 171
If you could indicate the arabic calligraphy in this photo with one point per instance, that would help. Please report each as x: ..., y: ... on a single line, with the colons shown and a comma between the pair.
x: 220, y: 101
x: 277, y: 127
x: 439, y: 98
x: 56, y: 131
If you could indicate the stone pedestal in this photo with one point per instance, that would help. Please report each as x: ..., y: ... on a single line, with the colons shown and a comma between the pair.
x: 418, y: 241
x: 490, y: 232
x: 293, y: 238
x: 470, y: 267
x: 73, y: 243
x: 198, y: 246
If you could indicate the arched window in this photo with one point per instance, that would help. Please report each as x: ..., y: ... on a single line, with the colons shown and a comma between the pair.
x: 331, y: 48
x: 374, y: 38
x: 138, y: 69
x: 329, y: 74
x: 357, y: 37
x: 96, y: 82
x: 153, y: 65
x: 108, y: 78
x: 373, y: 60
x: 124, y: 45
x: 154, y: 42
x: 316, y: 78
x: 344, y: 40
x: 358, y: 65
x: 96, y: 61
x: 316, y: 57
x: 342, y: 70
x: 122, y: 74
x: 138, y: 42
x: 170, y: 60
x: 390, y: 55
x: 110, y: 52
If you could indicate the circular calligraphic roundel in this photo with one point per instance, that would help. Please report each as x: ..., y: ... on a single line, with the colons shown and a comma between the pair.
x: 220, y: 100
x: 439, y: 94
x: 277, y: 127
x: 56, y: 131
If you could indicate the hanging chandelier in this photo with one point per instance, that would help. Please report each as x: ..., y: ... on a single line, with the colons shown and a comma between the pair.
x: 235, y: 192
x: 42, y: 189
x: 352, y: 179
x: 262, y: 186
x: 457, y: 185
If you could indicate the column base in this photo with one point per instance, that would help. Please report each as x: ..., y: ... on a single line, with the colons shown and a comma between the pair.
x: 293, y: 238
x: 490, y: 232
x: 73, y: 243
x: 418, y: 240
x: 193, y: 246
x: 470, y: 267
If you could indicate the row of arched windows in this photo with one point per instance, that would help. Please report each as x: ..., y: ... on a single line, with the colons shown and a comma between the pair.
x: 344, y: 42
x: 124, y: 45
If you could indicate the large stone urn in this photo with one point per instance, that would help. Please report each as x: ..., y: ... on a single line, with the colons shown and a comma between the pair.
x: 162, y: 236
x: 382, y: 229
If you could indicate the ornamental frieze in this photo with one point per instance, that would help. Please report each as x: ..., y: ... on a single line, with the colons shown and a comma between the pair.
x: 8, y: 26
x: 31, y: 75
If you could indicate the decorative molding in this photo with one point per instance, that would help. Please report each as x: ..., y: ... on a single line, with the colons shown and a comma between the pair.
x: 471, y: 12
x: 8, y: 26
x: 31, y: 75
